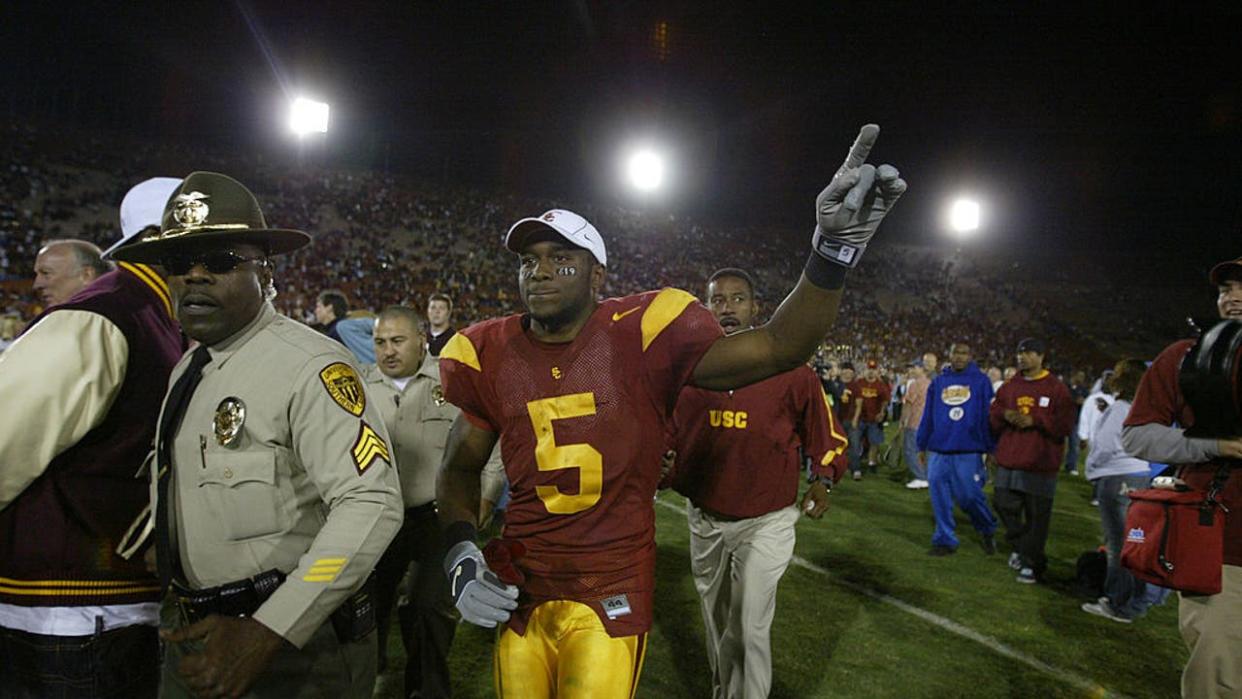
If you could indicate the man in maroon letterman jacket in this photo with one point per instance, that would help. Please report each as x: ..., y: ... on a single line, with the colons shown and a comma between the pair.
x: 89, y: 374
x: 1030, y: 418
x: 739, y: 463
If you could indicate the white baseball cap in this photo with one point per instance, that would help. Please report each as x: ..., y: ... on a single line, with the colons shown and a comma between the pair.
x: 570, y: 226
x: 142, y: 207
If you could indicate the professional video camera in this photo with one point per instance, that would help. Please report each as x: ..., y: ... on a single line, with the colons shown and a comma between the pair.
x: 1209, y: 379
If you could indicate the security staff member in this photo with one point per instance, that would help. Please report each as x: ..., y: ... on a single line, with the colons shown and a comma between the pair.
x: 274, y: 492
x: 405, y: 385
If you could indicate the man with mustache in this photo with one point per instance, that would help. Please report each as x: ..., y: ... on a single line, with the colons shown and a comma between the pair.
x: 405, y: 384
x: 273, y: 486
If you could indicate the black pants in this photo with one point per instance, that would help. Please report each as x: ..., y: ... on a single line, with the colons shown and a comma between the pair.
x: 121, y: 663
x: 425, y: 618
x: 1026, y: 518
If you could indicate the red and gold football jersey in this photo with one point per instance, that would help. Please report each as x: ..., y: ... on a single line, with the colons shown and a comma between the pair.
x: 581, y: 434
x: 737, y: 451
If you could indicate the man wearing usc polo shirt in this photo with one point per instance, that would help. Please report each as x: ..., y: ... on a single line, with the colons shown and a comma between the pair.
x: 739, y: 458
x: 273, y: 488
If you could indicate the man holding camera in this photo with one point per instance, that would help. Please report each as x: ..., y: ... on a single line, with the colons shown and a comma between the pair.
x: 1211, y: 625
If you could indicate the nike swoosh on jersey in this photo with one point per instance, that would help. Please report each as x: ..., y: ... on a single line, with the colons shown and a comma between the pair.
x: 619, y: 316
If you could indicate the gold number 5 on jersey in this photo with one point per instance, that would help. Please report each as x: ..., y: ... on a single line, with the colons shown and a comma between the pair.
x: 551, y: 457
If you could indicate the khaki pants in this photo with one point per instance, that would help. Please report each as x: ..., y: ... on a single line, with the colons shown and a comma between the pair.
x: 322, y: 669
x: 1211, y: 625
x: 736, y: 567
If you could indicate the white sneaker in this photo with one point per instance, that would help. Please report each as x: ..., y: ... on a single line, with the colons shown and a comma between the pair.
x: 916, y: 484
x: 1102, y: 608
x: 1015, y: 561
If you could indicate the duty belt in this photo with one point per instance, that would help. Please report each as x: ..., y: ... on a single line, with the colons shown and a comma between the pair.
x: 351, y: 621
x: 241, y: 598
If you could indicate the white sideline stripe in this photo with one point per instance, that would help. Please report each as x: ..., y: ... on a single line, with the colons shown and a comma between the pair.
x: 1093, y: 689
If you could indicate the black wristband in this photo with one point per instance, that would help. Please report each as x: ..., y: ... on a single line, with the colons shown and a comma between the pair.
x: 825, y: 274
x: 458, y: 532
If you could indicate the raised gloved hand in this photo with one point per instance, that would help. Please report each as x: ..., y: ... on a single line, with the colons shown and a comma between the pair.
x: 480, y: 596
x: 851, y: 207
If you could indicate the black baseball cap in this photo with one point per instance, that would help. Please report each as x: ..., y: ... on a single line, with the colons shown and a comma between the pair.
x: 1031, y: 344
x: 1229, y: 269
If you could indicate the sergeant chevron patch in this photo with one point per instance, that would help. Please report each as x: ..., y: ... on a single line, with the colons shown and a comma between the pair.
x: 368, y: 447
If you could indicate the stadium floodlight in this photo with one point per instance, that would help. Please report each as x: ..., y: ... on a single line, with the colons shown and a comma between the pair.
x: 964, y: 217
x: 646, y: 170
x: 308, y: 116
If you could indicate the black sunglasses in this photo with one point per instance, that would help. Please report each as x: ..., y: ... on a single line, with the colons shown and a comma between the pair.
x: 217, y: 262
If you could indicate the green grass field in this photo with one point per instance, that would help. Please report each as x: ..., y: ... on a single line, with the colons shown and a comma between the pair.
x: 842, y: 630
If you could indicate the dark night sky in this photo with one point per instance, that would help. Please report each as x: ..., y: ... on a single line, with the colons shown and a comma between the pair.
x: 1110, y: 129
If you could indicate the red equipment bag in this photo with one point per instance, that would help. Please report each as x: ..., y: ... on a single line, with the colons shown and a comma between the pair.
x: 1175, y: 539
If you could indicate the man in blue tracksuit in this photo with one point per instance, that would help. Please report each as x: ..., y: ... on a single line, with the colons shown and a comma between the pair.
x: 955, y: 430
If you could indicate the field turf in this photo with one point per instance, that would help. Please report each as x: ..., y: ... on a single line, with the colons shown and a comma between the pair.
x: 865, y: 612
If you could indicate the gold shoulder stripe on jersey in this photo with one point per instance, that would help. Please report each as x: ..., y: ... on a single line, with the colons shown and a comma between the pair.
x: 368, y: 447
x: 345, y: 387
x: 148, y: 276
x: 663, y: 310
x: 843, y: 441
x: 622, y: 314
x: 460, y: 349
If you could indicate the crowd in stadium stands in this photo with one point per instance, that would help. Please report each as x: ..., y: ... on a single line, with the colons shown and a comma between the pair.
x: 383, y: 239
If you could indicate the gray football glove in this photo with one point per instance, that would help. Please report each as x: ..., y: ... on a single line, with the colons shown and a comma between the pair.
x: 479, y: 595
x: 851, y: 207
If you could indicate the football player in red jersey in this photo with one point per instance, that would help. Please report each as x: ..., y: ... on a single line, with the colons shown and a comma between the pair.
x: 578, y: 392
x: 739, y: 458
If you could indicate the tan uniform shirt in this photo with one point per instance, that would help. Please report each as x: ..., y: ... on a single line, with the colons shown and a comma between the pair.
x: 45, y: 372
x: 303, y: 484
x: 418, y: 420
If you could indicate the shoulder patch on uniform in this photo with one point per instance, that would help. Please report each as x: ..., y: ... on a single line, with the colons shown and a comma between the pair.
x: 460, y: 349
x: 368, y: 447
x: 662, y: 311
x: 345, y: 387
